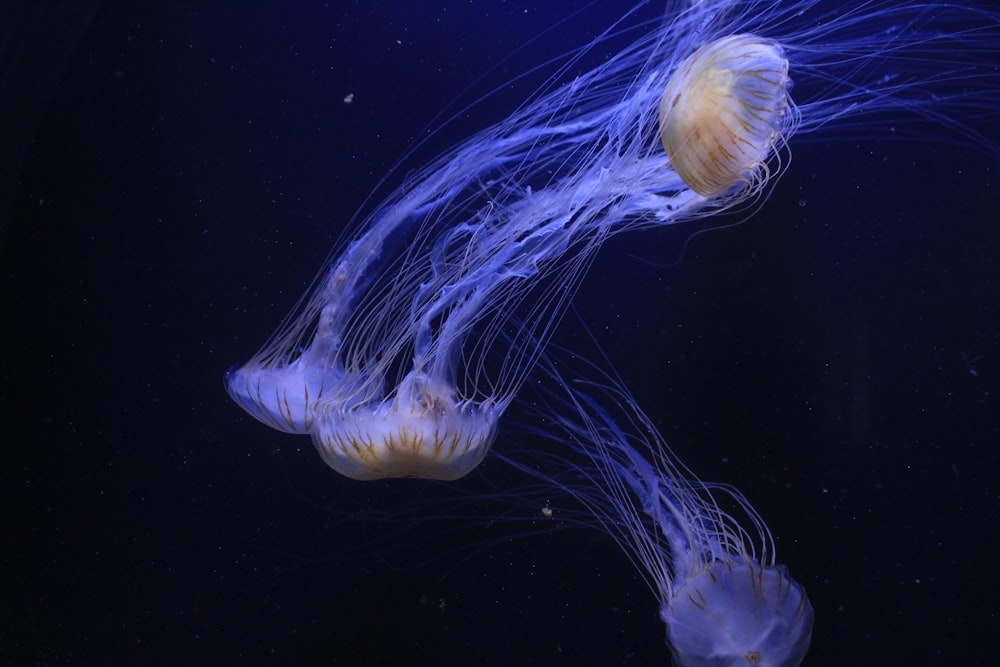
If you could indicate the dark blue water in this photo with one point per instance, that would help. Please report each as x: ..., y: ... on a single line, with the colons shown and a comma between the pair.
x: 178, y: 174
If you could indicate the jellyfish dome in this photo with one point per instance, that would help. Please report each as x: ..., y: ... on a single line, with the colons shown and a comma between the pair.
x: 722, y: 111
x: 738, y: 613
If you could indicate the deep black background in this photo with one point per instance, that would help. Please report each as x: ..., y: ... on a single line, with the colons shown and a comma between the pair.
x: 181, y: 176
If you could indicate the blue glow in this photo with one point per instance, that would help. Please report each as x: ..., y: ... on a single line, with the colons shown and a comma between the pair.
x: 429, y: 319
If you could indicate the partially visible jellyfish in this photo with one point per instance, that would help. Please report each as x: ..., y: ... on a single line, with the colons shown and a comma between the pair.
x: 397, y: 363
x: 703, y: 549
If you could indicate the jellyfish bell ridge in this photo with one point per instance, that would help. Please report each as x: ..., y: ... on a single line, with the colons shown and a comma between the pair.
x: 723, y: 111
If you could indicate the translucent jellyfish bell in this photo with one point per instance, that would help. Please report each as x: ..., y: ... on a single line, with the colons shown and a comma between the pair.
x: 722, y: 112
x: 422, y: 432
x: 738, y: 613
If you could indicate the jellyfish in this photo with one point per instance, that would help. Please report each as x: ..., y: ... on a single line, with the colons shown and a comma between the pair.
x: 396, y: 363
x: 705, y: 552
x: 429, y: 317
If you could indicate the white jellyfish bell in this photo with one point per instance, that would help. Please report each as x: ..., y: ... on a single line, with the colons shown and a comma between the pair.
x: 723, y: 111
